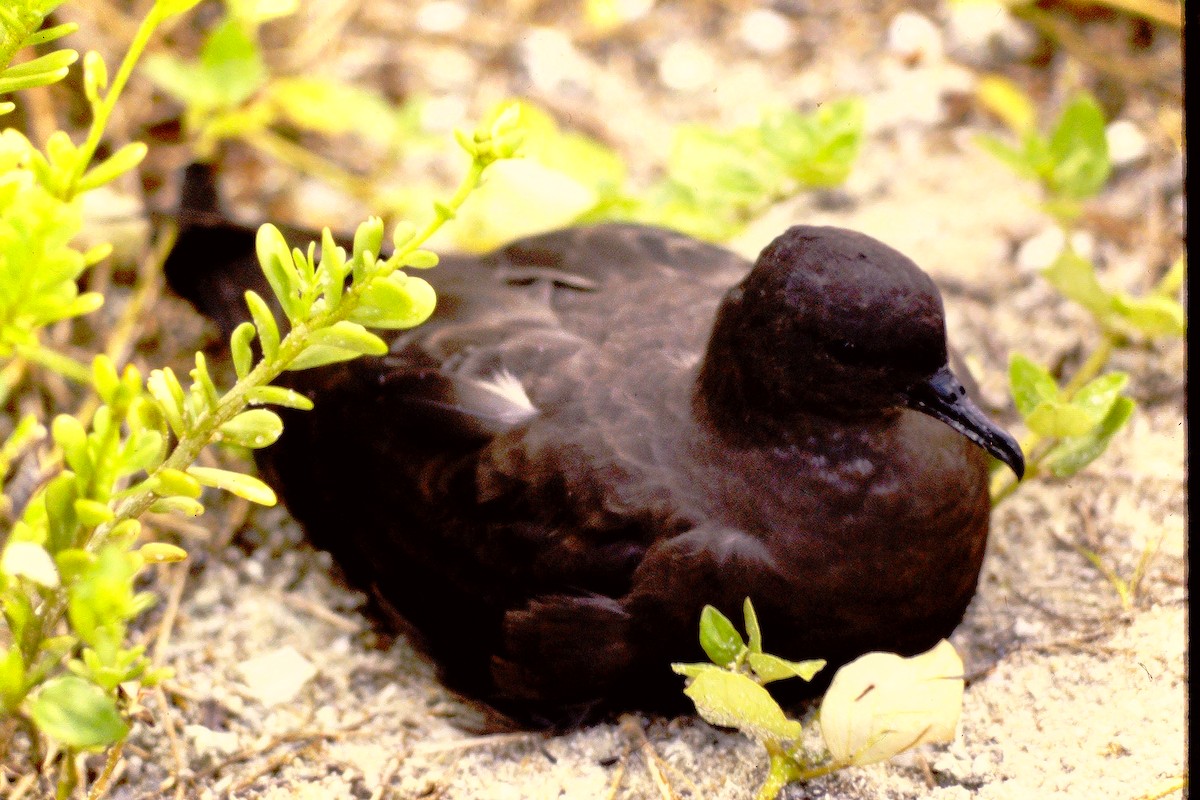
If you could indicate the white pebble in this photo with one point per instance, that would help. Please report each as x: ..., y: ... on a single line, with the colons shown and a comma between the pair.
x: 1126, y: 144
x: 1040, y: 250
x: 441, y: 16
x: 765, y: 32
x: 552, y: 60
x: 686, y: 67
x: 277, y: 676
x: 983, y: 32
x: 914, y: 38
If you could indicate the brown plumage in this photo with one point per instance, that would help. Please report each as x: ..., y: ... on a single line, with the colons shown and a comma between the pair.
x: 596, y: 435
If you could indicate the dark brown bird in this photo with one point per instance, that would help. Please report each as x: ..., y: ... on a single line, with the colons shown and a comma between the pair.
x: 604, y: 428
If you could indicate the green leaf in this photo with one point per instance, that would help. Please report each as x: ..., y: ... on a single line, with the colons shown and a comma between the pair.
x: 1075, y: 277
x: 1060, y: 420
x: 279, y: 396
x: 175, y: 482
x: 336, y: 108
x: 400, y: 301
x: 1079, y: 150
x: 1030, y: 384
x: 349, y: 336
x: 1008, y: 101
x: 264, y: 323
x: 231, y: 63
x: 77, y: 714
x: 1072, y: 455
x: 236, y: 483
x: 1152, y: 315
x: 773, y: 668
x: 113, y: 167
x: 1096, y: 397
x: 319, y: 355
x: 1014, y: 158
x: 753, y: 632
x: 12, y: 679
x: 239, y: 348
x: 255, y: 428
x: 817, y: 149
x: 277, y: 264
x: 720, y: 640
x: 733, y: 700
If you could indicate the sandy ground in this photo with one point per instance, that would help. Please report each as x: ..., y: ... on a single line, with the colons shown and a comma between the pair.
x: 284, y: 691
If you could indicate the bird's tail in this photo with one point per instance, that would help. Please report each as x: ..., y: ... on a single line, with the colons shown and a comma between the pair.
x: 556, y: 645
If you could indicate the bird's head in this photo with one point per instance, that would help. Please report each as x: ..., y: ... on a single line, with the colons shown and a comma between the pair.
x: 834, y: 322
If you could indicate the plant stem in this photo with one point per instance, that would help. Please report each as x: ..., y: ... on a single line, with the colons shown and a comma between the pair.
x: 59, y: 362
x: 102, y: 111
x: 100, y: 787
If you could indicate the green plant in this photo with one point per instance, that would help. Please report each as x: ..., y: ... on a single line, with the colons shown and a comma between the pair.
x: 228, y: 93
x: 713, y: 184
x: 71, y: 552
x: 1070, y: 426
x: 876, y: 706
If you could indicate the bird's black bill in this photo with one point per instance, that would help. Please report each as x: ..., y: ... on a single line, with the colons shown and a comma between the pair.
x: 943, y: 397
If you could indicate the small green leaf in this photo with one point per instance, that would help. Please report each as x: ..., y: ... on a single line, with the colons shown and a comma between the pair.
x: 1079, y: 150
x: 319, y: 355
x: 92, y: 512
x: 720, y: 640
x: 368, y: 238
x: 753, y: 632
x: 264, y: 323
x: 161, y: 553
x: 1072, y: 455
x: 732, y: 700
x: 277, y: 264
x: 1152, y: 315
x: 176, y: 482
x: 77, y: 714
x: 1060, y: 420
x: 255, y: 428
x: 1030, y: 384
x: 70, y: 435
x: 419, y: 259
x: 279, y: 396
x: 236, y: 483
x: 398, y: 302
x: 1008, y: 101
x: 1075, y: 277
x: 113, y: 167
x: 239, y: 348
x: 1097, y: 396
x: 773, y: 668
x: 351, y: 336
x: 177, y: 505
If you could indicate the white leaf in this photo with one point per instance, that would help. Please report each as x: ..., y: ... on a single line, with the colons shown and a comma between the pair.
x: 882, y: 704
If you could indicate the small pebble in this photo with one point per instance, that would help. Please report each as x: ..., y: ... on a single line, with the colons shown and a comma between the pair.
x: 686, y: 67
x: 1040, y: 250
x: 552, y: 60
x: 765, y: 32
x: 983, y: 33
x: 441, y: 16
x: 277, y: 676
x: 1126, y: 144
